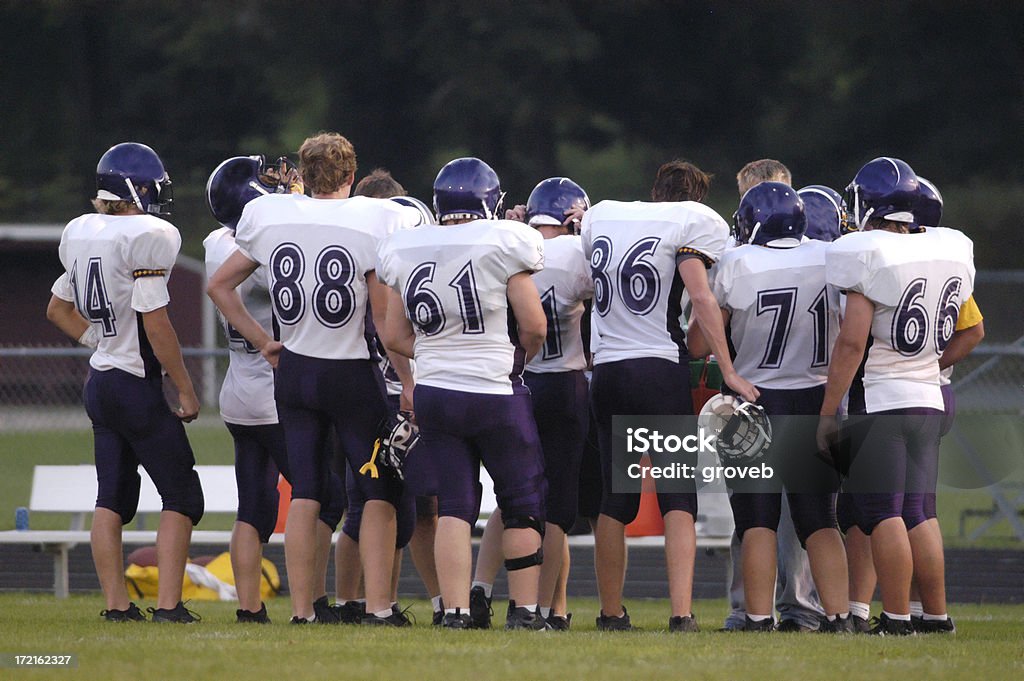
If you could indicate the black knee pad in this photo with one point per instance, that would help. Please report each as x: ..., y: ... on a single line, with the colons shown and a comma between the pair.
x: 524, y: 562
x: 519, y: 522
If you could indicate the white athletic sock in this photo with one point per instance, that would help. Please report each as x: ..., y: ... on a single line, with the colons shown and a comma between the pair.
x: 532, y: 607
x: 758, y: 618
x: 452, y: 611
x: 861, y: 610
x: 487, y: 587
x: 916, y: 609
x: 935, y: 618
x: 545, y: 612
x: 838, y: 615
x: 384, y: 613
x: 436, y: 603
x: 902, y: 618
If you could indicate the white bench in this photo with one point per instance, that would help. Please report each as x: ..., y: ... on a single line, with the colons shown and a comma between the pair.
x: 72, y: 489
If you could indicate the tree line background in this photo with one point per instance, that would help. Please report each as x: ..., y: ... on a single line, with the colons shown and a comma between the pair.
x: 603, y: 92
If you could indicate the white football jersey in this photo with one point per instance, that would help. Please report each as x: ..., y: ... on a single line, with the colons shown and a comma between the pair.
x: 454, y: 282
x: 117, y: 267
x: 317, y: 253
x: 784, y: 319
x: 917, y: 283
x: 564, y: 284
x: 247, y: 394
x: 633, y: 249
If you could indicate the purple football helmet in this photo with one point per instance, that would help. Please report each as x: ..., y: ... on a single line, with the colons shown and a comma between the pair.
x: 928, y: 210
x: 467, y: 188
x: 426, y: 217
x: 884, y: 188
x: 769, y: 211
x: 133, y: 172
x: 826, y: 212
x: 239, y: 180
x: 551, y: 198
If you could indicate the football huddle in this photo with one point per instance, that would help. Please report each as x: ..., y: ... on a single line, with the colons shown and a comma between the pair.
x: 382, y: 350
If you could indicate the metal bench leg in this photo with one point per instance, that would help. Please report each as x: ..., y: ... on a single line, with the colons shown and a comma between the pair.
x: 60, y: 571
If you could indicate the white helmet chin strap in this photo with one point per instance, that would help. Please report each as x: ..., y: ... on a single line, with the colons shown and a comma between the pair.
x: 258, y: 187
x: 753, y: 232
x: 135, y: 196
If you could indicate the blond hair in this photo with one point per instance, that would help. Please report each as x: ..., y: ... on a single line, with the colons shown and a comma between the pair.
x: 327, y: 162
x: 763, y: 170
x: 121, y: 207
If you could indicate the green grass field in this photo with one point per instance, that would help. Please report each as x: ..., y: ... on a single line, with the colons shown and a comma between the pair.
x: 20, y: 451
x: 988, y: 645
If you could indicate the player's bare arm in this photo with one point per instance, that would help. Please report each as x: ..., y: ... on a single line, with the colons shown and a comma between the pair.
x: 379, y: 306
x: 397, y: 333
x: 696, y: 344
x: 526, y: 305
x: 222, y: 291
x: 65, y: 316
x: 164, y: 342
x: 961, y: 345
x: 847, y: 355
x: 709, y: 316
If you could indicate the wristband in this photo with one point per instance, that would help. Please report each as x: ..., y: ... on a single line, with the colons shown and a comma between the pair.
x: 89, y: 338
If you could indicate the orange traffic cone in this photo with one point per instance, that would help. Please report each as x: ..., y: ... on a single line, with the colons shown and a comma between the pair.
x: 285, y: 490
x: 649, y: 521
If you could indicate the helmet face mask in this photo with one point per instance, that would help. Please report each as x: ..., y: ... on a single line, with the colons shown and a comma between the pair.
x: 133, y: 172
x: 769, y: 211
x: 467, y: 188
x: 551, y: 198
x: 883, y: 188
x: 743, y: 432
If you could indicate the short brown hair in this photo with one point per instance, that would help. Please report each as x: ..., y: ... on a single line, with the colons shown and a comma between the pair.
x: 327, y: 162
x: 379, y: 185
x: 887, y: 225
x: 680, y: 180
x: 763, y: 170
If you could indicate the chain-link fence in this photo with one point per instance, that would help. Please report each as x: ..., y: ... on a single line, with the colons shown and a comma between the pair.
x: 41, y: 387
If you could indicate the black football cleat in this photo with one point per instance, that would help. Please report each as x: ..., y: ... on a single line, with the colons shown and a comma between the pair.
x: 456, y: 620
x: 945, y: 626
x: 179, y: 614
x: 397, y: 618
x: 299, y: 620
x: 840, y: 625
x: 129, y: 614
x: 480, y: 608
x: 792, y: 627
x: 763, y: 626
x: 883, y: 626
x: 860, y: 625
x: 559, y: 623
x: 620, y: 623
x: 681, y: 625
x: 325, y: 612
x: 249, y: 617
x: 524, y: 618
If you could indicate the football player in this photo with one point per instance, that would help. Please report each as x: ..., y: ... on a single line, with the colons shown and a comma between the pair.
x: 796, y: 600
x: 970, y: 330
x: 463, y: 303
x: 247, y: 395
x: 113, y: 298
x: 641, y: 257
x: 826, y: 212
x: 348, y: 572
x: 319, y: 254
x: 783, y: 321
x: 904, y: 287
x: 559, y: 393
